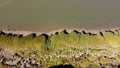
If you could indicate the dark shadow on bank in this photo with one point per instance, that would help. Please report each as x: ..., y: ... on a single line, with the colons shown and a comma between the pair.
x: 63, y: 66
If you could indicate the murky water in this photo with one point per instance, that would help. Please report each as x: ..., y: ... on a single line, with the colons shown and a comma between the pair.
x: 46, y: 15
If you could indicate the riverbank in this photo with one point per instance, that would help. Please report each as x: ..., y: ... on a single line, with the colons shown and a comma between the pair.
x: 79, y: 48
x: 95, y: 31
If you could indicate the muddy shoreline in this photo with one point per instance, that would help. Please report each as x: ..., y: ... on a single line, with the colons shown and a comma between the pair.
x: 25, y: 32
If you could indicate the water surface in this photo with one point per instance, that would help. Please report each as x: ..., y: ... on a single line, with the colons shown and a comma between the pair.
x: 46, y: 15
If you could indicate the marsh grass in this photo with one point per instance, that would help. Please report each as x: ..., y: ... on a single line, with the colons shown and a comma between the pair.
x: 65, y: 44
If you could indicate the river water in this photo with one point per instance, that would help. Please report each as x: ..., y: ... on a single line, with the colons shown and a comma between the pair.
x: 48, y: 15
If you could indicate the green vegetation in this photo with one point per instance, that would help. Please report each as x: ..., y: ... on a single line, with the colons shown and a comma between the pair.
x: 81, y: 49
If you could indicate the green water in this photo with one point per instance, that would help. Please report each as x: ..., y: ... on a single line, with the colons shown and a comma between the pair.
x: 46, y: 15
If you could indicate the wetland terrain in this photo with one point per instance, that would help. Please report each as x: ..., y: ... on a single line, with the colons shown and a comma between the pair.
x: 72, y: 49
x: 59, y: 34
